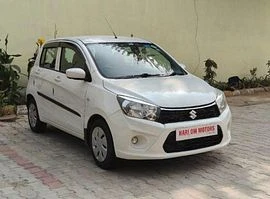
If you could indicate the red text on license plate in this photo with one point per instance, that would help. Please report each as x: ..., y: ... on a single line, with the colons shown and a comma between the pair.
x: 196, y: 132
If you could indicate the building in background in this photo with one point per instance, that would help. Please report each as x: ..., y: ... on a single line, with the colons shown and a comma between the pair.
x: 233, y: 33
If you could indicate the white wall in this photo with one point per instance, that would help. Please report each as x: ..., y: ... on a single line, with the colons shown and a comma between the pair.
x: 235, y: 33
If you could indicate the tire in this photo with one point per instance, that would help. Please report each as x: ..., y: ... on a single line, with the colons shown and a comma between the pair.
x: 35, y: 124
x: 101, y: 144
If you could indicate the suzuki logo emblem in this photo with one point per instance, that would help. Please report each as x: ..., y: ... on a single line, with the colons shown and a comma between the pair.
x: 192, y: 114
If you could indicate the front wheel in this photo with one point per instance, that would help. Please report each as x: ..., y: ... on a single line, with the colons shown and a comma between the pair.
x: 33, y: 118
x: 101, y: 144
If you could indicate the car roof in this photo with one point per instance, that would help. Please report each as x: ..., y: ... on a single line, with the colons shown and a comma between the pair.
x: 100, y: 39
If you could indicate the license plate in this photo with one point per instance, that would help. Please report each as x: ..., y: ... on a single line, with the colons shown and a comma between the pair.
x: 196, y: 132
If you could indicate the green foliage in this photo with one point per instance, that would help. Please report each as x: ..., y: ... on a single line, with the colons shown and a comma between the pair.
x: 210, y: 74
x: 2, y: 99
x: 31, y: 61
x: 6, y: 58
x: 252, y: 81
x: 253, y: 73
x: 268, y: 72
x: 220, y: 85
x: 9, y: 76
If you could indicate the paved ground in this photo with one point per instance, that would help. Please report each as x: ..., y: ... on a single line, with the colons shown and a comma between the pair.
x: 56, y: 165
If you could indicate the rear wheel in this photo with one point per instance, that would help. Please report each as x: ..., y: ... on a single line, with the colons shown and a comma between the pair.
x: 33, y: 118
x: 101, y: 144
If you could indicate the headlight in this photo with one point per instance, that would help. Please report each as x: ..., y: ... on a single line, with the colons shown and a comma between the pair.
x: 138, y: 109
x: 221, y: 101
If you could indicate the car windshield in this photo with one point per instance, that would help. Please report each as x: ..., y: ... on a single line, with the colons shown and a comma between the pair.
x: 132, y: 60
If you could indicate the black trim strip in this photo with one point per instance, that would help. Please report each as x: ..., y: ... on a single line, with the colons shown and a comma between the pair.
x: 52, y: 44
x: 59, y: 104
x: 188, y: 107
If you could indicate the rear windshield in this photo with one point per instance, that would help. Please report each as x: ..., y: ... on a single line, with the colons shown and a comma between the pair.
x: 132, y: 60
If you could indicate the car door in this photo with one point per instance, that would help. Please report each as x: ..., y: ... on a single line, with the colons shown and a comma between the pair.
x: 71, y: 93
x: 44, y: 82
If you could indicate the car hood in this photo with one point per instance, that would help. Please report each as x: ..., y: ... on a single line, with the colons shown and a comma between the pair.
x: 173, y: 91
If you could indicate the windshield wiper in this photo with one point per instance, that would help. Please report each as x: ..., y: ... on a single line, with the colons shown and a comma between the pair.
x: 143, y: 75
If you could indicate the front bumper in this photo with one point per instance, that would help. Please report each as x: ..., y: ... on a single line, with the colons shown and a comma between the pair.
x: 152, y: 136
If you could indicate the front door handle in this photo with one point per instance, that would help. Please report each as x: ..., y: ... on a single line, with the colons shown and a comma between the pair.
x: 37, y: 71
x: 57, y: 79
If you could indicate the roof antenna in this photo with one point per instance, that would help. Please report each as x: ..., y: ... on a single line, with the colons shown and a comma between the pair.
x: 55, y: 31
x: 111, y: 28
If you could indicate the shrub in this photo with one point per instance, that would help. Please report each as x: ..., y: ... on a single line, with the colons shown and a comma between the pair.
x: 9, y: 76
x: 31, y: 61
x: 210, y: 74
x: 252, y: 81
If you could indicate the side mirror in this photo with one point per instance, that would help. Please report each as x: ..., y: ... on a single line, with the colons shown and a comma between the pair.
x: 75, y: 73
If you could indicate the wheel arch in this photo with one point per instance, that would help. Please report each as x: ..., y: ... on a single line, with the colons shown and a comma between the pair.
x: 29, y: 97
x: 89, y: 123
x: 94, y: 121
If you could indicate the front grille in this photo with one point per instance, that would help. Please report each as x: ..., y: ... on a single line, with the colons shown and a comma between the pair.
x: 171, y: 145
x: 174, y: 115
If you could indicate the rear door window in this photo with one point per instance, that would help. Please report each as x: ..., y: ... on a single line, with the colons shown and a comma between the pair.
x: 48, y: 58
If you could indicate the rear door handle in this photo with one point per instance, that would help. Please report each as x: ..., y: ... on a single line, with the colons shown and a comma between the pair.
x: 57, y: 79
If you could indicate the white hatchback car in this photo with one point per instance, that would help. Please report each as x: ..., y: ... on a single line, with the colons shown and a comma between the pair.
x: 127, y: 98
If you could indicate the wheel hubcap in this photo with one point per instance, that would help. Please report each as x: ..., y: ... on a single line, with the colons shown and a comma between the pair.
x: 99, y: 144
x: 32, y: 115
